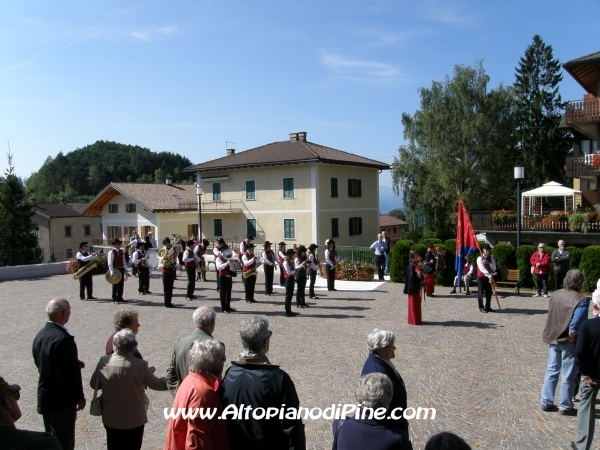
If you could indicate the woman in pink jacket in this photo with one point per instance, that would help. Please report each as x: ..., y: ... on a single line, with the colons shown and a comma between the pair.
x: 540, y: 262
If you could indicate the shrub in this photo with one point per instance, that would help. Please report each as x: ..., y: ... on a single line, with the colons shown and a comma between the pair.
x: 504, y: 254
x: 590, y: 267
x: 549, y: 250
x: 434, y: 241
x: 420, y: 248
x: 445, y: 270
x: 450, y: 244
x: 575, y: 257
x: 523, y: 255
x: 399, y: 261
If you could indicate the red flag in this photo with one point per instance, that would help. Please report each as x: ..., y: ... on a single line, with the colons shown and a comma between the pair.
x: 466, y: 242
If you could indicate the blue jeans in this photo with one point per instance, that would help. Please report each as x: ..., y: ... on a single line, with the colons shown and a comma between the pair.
x: 542, y: 283
x: 561, y: 356
x: 387, y: 263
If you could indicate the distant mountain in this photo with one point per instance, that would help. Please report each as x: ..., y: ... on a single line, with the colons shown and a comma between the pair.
x: 387, y: 200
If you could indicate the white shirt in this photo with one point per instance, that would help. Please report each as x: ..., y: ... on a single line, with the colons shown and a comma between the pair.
x: 137, y: 256
x: 483, y: 268
x: 327, y: 260
x: 249, y: 261
x: 221, y: 263
x: 266, y: 259
x: 169, y: 253
x: 288, y: 267
x: 84, y: 258
x: 110, y: 258
x: 311, y: 258
x: 299, y: 265
x: 189, y: 256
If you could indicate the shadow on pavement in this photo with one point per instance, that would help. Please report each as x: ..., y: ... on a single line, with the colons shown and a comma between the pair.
x: 529, y: 312
x: 463, y: 323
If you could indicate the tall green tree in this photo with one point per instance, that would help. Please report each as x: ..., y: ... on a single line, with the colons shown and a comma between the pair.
x: 542, y: 146
x: 397, y: 213
x: 459, y: 146
x: 16, y: 213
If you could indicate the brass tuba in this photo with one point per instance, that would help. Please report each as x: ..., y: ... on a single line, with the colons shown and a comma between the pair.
x: 169, y: 261
x: 88, y: 267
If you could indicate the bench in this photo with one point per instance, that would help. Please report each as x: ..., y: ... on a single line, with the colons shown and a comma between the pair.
x: 510, y: 277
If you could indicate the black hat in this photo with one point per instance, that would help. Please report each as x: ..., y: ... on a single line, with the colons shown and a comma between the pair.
x: 82, y: 244
x: 6, y: 388
x: 140, y: 244
x: 289, y: 251
x: 250, y: 236
x: 223, y: 246
x: 250, y: 245
x: 220, y: 241
x: 266, y: 244
x: 205, y: 242
x: 330, y: 241
x: 165, y: 240
x: 116, y: 241
x: 312, y: 247
x: 282, y: 243
x: 190, y: 242
x: 486, y: 247
x: 302, y: 248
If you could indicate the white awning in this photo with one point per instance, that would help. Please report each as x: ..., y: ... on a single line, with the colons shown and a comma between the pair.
x: 551, y: 189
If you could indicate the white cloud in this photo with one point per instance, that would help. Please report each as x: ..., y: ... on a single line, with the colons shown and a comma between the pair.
x: 453, y: 15
x: 148, y: 35
x: 21, y: 64
x: 359, y: 69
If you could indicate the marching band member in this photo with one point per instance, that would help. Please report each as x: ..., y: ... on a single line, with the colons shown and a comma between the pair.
x: 249, y: 262
x: 139, y: 262
x: 224, y: 274
x: 300, y: 266
x: 200, y: 249
x: 330, y: 259
x: 116, y: 261
x: 486, y: 268
x: 216, y: 254
x: 281, y: 256
x: 168, y: 272
x: 315, y: 266
x: 244, y: 245
x: 271, y: 262
x: 190, y: 260
x: 289, y: 273
x: 85, y: 282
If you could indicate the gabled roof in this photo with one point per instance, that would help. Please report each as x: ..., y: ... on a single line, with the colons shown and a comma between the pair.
x: 585, y: 71
x: 390, y: 221
x: 153, y: 197
x: 53, y: 210
x: 287, y: 152
x: 551, y: 189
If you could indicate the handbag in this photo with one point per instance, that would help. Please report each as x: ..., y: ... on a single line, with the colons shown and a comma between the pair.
x: 96, y: 403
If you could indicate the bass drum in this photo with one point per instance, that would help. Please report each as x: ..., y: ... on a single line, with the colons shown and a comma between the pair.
x: 152, y: 259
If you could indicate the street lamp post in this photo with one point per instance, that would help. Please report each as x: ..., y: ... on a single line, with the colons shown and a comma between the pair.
x: 519, y: 177
x: 199, y: 193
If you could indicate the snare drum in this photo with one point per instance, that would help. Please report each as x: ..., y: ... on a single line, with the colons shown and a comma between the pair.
x: 152, y: 259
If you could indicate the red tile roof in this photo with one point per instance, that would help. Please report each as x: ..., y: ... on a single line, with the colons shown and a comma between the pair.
x: 389, y: 221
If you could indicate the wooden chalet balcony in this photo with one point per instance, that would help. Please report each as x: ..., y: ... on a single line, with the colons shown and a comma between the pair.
x: 582, y: 166
x: 482, y: 221
x: 225, y: 206
x: 583, y: 111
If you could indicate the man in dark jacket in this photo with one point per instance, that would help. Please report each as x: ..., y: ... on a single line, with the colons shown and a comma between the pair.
x: 567, y: 310
x: 561, y: 257
x: 253, y: 381
x: 60, y: 390
x: 588, y: 360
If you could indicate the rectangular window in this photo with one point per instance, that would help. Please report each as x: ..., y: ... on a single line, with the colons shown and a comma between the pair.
x: 147, y: 229
x: 394, y: 230
x: 130, y: 207
x: 334, y: 187
x: 87, y: 230
x: 354, y: 188
x: 335, y: 227
x: 250, y: 190
x: 355, y: 225
x: 288, y: 188
x: 218, y: 227
x: 68, y: 231
x: 216, y: 191
x: 37, y: 231
x: 289, y: 229
x: 69, y: 253
x: 113, y: 233
x: 251, y: 227
x: 113, y: 208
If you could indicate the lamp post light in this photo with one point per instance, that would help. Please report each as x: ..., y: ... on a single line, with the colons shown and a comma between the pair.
x: 519, y: 177
x: 199, y: 193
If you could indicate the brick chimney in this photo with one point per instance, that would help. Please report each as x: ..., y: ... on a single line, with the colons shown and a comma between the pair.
x: 293, y: 137
x: 299, y: 136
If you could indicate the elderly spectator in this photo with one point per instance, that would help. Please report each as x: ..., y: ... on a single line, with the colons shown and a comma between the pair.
x: 587, y: 357
x: 381, y: 351
x: 540, y: 261
x: 123, y: 379
x: 567, y: 310
x: 10, y: 437
x: 374, y: 391
x: 446, y: 441
x: 126, y: 318
x: 253, y: 381
x: 60, y: 389
x: 205, y: 320
x: 561, y: 257
x: 379, y: 247
x: 199, y: 390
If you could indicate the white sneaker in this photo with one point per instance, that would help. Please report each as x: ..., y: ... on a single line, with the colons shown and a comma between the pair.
x: 536, y: 295
x: 545, y: 295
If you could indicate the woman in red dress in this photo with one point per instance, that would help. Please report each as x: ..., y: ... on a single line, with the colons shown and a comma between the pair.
x: 412, y: 287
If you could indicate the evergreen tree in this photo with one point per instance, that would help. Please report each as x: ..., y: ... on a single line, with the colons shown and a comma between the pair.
x: 16, y: 212
x: 542, y: 147
x: 397, y: 213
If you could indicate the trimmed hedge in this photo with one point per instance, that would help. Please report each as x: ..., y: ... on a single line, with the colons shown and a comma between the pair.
x: 590, y: 267
x: 523, y: 255
x: 504, y: 254
x: 445, y: 274
x: 450, y: 244
x: 420, y: 248
x: 434, y: 241
x: 549, y: 250
x: 399, y: 260
x: 575, y: 257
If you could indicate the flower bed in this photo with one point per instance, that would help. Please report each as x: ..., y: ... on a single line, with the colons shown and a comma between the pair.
x: 353, y: 271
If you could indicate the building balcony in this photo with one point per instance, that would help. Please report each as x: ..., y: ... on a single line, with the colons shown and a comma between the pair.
x: 583, y: 111
x: 224, y: 206
x: 483, y: 221
x: 582, y: 166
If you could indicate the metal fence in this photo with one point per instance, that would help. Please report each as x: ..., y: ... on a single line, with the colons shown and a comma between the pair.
x: 356, y: 254
x: 20, y: 257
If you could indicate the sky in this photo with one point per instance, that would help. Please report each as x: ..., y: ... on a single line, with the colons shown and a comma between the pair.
x: 187, y: 77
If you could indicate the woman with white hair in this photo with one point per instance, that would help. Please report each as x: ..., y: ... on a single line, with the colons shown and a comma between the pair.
x: 381, y: 351
x: 199, y: 390
x: 122, y: 378
x: 350, y: 433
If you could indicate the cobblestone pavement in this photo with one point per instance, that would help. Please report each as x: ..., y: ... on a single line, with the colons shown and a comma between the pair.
x: 482, y: 372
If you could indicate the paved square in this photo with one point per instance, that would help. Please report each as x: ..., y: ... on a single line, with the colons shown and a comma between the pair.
x: 483, y: 372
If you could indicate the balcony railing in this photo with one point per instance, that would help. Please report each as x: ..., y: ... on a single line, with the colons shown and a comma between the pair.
x: 231, y: 206
x: 483, y: 221
x: 581, y: 166
x: 583, y: 111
